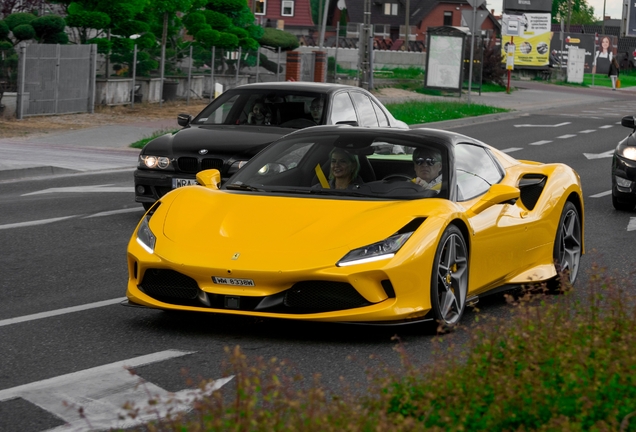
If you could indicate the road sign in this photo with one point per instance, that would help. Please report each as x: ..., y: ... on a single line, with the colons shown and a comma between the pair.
x: 475, y: 3
x: 467, y: 19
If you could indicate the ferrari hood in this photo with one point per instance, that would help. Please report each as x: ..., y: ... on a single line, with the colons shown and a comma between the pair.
x: 202, y: 225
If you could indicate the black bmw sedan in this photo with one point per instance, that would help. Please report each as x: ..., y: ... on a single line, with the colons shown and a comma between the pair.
x: 624, y: 169
x: 243, y: 121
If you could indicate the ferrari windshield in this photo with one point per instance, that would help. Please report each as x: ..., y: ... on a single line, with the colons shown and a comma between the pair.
x: 284, y: 108
x: 351, y: 162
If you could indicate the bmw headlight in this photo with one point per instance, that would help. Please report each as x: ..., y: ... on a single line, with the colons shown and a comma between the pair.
x: 236, y: 166
x: 149, y: 161
x: 145, y: 237
x: 374, y: 252
x: 628, y: 153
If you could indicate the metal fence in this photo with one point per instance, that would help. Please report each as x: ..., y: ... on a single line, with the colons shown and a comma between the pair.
x: 56, y: 79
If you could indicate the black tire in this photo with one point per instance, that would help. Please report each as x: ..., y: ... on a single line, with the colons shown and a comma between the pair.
x: 567, y: 247
x: 449, y: 280
x: 621, y: 206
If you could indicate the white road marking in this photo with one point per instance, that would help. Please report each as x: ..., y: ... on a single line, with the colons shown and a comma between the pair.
x: 632, y: 224
x: 551, y: 126
x: 511, y: 149
x: 62, y: 311
x: 607, y: 154
x: 540, y: 142
x: 48, y: 221
x: 606, y: 126
x: 566, y: 136
x: 33, y: 223
x: 602, y: 194
x: 113, y: 212
x: 84, y: 189
x: 588, y: 131
x: 102, y: 391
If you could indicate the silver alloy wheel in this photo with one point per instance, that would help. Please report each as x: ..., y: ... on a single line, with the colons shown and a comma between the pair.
x: 451, y: 277
x: 568, y: 242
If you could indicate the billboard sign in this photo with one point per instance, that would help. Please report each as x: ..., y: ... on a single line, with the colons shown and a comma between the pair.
x: 533, y: 40
x: 527, y: 5
x: 444, y: 62
x: 631, y: 19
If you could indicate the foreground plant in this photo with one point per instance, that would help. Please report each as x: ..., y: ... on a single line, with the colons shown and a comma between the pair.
x: 556, y: 363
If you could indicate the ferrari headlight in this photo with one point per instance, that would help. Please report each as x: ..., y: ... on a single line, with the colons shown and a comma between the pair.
x: 628, y: 153
x: 145, y: 237
x: 374, y: 252
x: 149, y: 161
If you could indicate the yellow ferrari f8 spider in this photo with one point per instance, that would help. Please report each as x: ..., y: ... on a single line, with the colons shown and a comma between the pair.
x: 364, y: 225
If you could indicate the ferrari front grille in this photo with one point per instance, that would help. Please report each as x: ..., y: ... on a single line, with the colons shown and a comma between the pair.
x: 323, y: 296
x: 168, y: 284
x: 188, y: 164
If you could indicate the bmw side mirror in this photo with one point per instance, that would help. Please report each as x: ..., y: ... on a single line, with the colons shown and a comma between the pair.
x: 629, y: 122
x: 184, y: 119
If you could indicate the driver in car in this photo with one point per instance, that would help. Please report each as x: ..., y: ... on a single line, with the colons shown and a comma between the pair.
x: 428, y: 168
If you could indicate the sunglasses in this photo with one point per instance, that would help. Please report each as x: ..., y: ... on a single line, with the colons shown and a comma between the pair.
x: 428, y: 161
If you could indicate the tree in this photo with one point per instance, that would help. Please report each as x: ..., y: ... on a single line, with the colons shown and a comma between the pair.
x: 224, y: 24
x: 274, y: 38
x: 7, y: 7
x: 572, y: 12
x: 24, y: 26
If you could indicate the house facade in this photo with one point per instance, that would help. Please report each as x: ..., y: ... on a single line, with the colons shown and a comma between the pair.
x: 293, y: 16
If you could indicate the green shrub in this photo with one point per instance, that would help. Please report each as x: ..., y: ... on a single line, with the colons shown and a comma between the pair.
x: 274, y: 38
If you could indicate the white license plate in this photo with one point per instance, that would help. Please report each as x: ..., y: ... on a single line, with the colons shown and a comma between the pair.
x: 232, y: 281
x: 177, y: 182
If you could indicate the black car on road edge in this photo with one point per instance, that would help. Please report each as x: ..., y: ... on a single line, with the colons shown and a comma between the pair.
x: 243, y: 121
x: 624, y: 169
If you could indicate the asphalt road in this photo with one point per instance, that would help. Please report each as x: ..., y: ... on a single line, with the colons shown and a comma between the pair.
x: 65, y: 247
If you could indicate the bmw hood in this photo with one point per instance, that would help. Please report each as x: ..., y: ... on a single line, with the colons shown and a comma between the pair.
x: 204, y: 227
x: 217, y: 140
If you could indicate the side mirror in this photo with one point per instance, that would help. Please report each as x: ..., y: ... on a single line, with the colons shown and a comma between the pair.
x: 184, y: 119
x: 629, y: 122
x: 209, y: 178
x: 497, y: 194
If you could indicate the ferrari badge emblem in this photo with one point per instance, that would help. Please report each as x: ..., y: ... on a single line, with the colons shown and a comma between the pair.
x: 236, y: 256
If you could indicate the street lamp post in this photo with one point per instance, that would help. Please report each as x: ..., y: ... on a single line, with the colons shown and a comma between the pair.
x: 134, y: 69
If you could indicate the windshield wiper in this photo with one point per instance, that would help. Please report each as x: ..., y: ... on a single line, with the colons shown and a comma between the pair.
x: 337, y: 192
x: 243, y: 187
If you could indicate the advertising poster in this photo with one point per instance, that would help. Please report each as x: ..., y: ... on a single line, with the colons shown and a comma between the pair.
x: 630, y: 29
x: 572, y: 40
x: 533, y: 42
x: 605, y: 50
x: 444, y: 62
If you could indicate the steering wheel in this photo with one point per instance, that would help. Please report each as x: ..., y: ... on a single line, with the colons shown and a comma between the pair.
x: 298, y: 123
x: 394, y: 177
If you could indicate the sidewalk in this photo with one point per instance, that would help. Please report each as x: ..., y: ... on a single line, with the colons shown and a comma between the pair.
x: 106, y: 147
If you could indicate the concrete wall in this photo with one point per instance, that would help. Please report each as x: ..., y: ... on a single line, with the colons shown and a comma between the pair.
x: 348, y: 57
x: 117, y: 91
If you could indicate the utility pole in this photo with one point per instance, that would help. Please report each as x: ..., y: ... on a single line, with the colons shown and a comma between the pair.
x: 364, y: 47
x: 406, y: 24
x: 603, y: 28
x: 324, y: 23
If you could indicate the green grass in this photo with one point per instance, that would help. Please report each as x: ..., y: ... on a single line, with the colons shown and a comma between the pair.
x: 432, y: 111
x: 551, y: 363
x: 142, y: 142
x: 627, y: 78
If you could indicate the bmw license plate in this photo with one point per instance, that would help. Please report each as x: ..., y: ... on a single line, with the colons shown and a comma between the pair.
x: 232, y: 281
x: 177, y: 182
